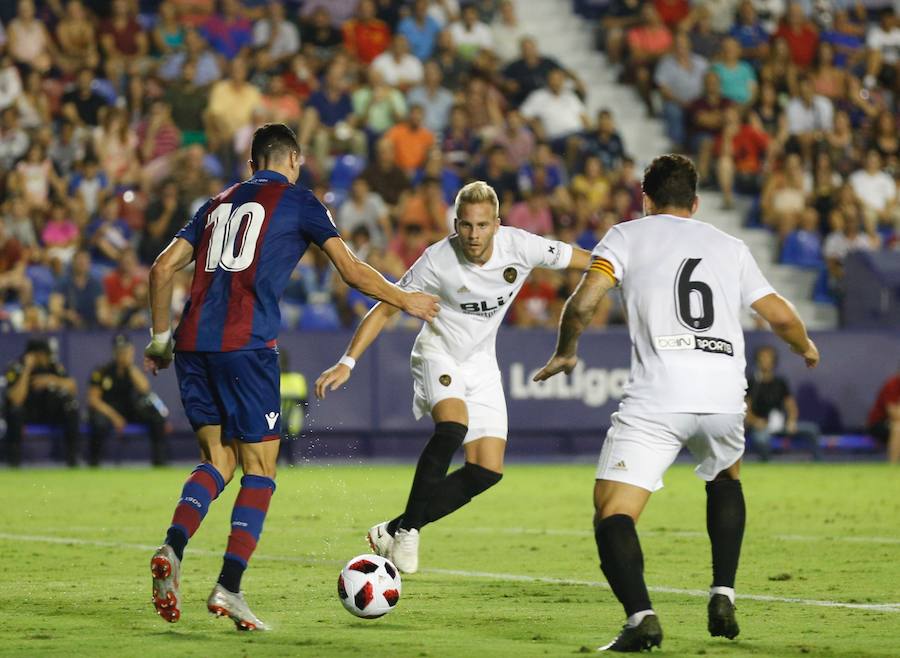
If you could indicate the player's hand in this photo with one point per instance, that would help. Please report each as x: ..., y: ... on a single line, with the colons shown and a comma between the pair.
x: 118, y: 423
x: 332, y: 379
x: 811, y: 355
x: 556, y: 365
x: 422, y: 305
x: 158, y: 357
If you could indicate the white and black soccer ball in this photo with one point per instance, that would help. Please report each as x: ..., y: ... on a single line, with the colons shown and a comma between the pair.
x: 369, y: 586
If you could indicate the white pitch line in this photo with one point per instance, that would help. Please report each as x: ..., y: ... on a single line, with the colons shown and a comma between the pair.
x: 567, y: 532
x: 509, y: 577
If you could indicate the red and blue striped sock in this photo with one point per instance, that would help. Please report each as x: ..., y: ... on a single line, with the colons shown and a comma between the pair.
x: 202, y: 487
x: 247, y: 518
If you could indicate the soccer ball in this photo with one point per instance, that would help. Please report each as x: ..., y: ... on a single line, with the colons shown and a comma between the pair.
x: 369, y: 586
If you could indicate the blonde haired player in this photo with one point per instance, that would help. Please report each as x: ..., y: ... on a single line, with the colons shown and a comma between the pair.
x: 476, y: 273
x: 684, y: 284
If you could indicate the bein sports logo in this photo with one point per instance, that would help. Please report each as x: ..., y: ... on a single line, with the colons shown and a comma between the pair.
x: 595, y: 387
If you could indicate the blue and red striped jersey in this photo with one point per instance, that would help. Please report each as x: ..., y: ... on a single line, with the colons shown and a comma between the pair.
x: 247, y: 241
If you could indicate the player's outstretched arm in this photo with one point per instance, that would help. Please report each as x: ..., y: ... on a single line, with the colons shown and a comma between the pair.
x: 368, y: 330
x: 368, y: 281
x: 158, y: 353
x: 576, y: 316
x: 787, y: 325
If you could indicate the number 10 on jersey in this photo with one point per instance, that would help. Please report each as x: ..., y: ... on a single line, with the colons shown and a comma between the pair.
x: 226, y: 229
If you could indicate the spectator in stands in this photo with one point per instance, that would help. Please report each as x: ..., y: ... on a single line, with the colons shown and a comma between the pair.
x: 10, y: 83
x: 801, y: 35
x: 36, y: 178
x: 784, y: 196
x: 533, y: 214
x: 411, y: 140
x: 384, y: 176
x: 169, y: 33
x: 593, y: 183
x: 366, y: 36
x: 605, y: 141
x: 471, y: 35
x: 83, y: 105
x: 38, y: 390
x: 847, y: 41
x: 17, y: 220
x: 538, y: 303
x: 516, y: 137
x: 13, y: 261
x: 166, y: 214
x: 320, y: 38
x: 122, y: 37
x: 507, y: 32
x: 846, y: 236
x: 78, y: 299
x: 158, y: 140
x: 737, y: 78
x: 30, y: 44
x: 231, y: 105
x: 118, y: 394
x: 398, y: 66
x: 423, y: 211
x: 809, y: 115
x: 327, y: 119
x: 621, y: 15
x: 557, y: 114
x: 884, y: 417
x: 679, y: 78
x: 90, y: 185
x: 527, y: 73
x: 421, y: 30
x: 750, y: 33
x: 771, y: 409
x: 453, y: 68
x: 803, y: 246
x: 497, y: 172
x: 378, y: 106
x: 365, y: 208
x: 824, y: 184
x: 876, y: 191
x: 109, y: 234
x: 229, y: 32
x: 827, y: 79
x: 60, y: 237
x: 673, y: 12
x: 196, y: 51
x: 883, y: 42
x: 34, y: 103
x: 705, y: 40
x: 435, y: 100
x: 276, y: 34
x: 742, y: 151
x: 886, y: 141
x: 707, y: 118
x: 77, y: 39
x: 125, y: 290
x: 647, y: 43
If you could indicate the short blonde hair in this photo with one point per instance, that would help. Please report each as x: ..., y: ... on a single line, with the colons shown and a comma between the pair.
x: 477, y: 192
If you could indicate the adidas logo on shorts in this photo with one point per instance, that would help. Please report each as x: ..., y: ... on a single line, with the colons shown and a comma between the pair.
x: 619, y: 466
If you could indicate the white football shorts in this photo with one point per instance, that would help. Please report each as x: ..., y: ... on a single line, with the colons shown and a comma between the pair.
x: 476, y: 381
x: 640, y: 447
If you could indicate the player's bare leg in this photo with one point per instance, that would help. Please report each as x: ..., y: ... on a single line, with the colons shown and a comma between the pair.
x: 725, y: 517
x: 205, y: 483
x: 451, y: 419
x: 258, y: 461
x: 617, y: 507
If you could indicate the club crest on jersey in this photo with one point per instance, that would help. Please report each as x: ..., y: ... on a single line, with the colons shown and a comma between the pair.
x: 445, y: 380
x: 510, y: 274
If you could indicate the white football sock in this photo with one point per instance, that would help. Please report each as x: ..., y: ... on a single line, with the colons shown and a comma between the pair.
x: 727, y: 591
x: 638, y: 617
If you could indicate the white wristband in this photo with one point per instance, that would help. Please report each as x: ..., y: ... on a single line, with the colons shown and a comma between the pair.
x: 162, y: 337
x: 348, y: 361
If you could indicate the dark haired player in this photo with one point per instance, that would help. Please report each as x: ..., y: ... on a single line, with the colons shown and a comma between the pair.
x: 246, y: 241
x: 684, y: 284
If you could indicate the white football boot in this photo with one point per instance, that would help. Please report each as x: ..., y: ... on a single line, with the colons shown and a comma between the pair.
x: 380, y: 540
x: 223, y: 603
x: 165, y: 569
x: 405, y: 553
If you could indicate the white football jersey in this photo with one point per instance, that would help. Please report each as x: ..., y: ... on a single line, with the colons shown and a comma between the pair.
x: 684, y: 283
x: 474, y: 298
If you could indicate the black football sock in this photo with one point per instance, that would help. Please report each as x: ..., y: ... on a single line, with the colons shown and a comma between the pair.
x: 177, y: 540
x: 231, y: 574
x: 725, y: 517
x: 458, y: 488
x: 431, y: 469
x: 622, y: 561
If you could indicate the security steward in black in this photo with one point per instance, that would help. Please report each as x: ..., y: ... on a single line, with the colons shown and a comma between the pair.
x: 119, y: 393
x: 38, y: 390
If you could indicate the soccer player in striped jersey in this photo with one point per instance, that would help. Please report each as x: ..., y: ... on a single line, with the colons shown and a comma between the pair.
x: 477, y: 273
x: 245, y: 242
x: 684, y: 283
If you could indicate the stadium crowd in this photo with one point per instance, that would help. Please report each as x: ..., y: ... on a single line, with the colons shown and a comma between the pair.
x: 119, y: 119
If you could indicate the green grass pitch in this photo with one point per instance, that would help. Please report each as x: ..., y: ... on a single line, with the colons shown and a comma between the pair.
x: 513, y: 574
